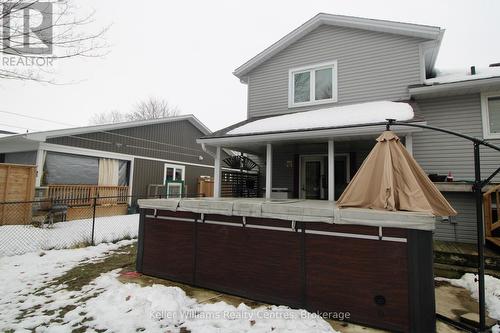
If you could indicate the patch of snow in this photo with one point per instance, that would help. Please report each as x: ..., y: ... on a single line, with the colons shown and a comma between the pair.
x: 354, y: 114
x: 108, y: 304
x: 19, y: 239
x: 24, y: 278
x: 491, y: 290
x: 458, y: 75
x: 157, y: 308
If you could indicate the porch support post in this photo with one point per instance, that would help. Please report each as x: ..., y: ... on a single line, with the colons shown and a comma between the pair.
x: 40, y: 159
x: 331, y: 170
x: 269, y: 170
x: 217, y: 173
x: 409, y: 143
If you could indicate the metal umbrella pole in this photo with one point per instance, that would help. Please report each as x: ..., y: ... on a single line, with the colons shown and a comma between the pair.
x: 478, y: 186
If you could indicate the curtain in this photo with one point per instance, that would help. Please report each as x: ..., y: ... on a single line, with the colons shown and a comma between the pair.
x: 108, y: 172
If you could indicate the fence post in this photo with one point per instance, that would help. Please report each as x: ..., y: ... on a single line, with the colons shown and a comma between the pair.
x: 93, y: 220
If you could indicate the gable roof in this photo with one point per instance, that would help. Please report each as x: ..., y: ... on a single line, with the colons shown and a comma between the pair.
x: 43, y: 135
x: 406, y: 29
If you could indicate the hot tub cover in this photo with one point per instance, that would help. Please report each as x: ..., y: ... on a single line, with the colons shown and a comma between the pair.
x: 390, y: 179
x: 296, y: 210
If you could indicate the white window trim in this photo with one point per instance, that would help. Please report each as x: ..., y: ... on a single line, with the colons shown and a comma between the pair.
x: 312, y: 70
x: 486, y: 116
x: 174, y: 166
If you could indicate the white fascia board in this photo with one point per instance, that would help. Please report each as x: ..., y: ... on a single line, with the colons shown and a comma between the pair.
x: 304, y: 135
x: 406, y: 29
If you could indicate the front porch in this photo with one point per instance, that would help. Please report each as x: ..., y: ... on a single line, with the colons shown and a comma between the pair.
x: 305, y: 168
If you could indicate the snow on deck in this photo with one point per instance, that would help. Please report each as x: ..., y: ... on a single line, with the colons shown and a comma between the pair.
x: 19, y: 239
x: 354, y: 114
x: 459, y: 75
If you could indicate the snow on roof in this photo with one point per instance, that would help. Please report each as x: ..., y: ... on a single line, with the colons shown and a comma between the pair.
x: 458, y: 75
x: 354, y: 114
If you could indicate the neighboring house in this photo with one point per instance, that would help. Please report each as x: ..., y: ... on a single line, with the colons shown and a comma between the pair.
x: 309, y: 119
x: 128, y: 155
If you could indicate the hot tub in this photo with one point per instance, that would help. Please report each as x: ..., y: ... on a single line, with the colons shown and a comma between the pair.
x: 374, y: 265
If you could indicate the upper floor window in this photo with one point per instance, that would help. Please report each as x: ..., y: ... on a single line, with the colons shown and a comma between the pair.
x: 315, y: 84
x: 490, y: 105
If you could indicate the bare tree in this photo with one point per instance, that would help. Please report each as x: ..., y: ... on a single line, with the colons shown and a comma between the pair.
x: 62, y: 31
x: 107, y: 117
x: 153, y: 108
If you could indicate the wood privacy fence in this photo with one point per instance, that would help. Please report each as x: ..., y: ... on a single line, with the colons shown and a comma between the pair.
x: 491, y: 200
x: 206, y: 186
x: 17, y: 183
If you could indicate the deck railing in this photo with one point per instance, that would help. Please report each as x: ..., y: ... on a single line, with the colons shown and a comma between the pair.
x: 85, y: 194
x: 491, y: 223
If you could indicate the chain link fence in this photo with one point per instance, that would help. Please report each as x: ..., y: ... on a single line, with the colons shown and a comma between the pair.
x: 30, y: 226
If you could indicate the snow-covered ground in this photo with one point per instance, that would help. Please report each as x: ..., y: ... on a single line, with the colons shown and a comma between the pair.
x: 108, y: 304
x: 19, y: 239
x: 491, y: 289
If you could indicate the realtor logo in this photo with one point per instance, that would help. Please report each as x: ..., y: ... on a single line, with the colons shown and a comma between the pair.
x: 27, y: 28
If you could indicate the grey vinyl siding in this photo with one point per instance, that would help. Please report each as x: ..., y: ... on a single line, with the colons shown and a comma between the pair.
x: 463, y: 226
x: 439, y: 152
x: 371, y: 66
x: 151, y: 172
x: 177, y: 141
x: 25, y: 157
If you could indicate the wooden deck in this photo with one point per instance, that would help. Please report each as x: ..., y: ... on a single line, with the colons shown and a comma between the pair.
x: 452, y: 259
x: 462, y: 248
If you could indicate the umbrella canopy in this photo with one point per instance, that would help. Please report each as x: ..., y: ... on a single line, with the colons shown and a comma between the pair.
x: 391, y: 179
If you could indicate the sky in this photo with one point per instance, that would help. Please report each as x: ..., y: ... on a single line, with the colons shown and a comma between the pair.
x: 185, y: 52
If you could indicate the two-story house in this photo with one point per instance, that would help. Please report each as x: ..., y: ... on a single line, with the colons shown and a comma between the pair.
x: 319, y: 97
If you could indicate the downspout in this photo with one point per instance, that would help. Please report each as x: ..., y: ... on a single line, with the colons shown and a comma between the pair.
x: 205, y: 149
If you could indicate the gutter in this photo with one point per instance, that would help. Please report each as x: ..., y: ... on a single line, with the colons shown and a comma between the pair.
x: 476, y: 84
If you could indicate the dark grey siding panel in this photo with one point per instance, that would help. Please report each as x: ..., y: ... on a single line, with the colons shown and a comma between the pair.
x: 439, y: 152
x: 171, y: 141
x: 463, y: 226
x: 151, y: 172
x: 371, y: 66
x: 25, y: 157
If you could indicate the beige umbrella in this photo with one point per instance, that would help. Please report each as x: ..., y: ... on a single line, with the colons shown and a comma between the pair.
x: 391, y: 179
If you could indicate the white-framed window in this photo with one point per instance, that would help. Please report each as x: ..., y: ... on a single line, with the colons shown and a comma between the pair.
x: 314, y: 84
x: 174, y: 172
x: 490, y: 109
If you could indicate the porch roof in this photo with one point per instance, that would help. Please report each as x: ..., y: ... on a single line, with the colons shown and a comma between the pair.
x: 355, y: 120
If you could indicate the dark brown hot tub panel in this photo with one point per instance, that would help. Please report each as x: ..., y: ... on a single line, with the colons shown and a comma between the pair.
x: 382, y: 277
